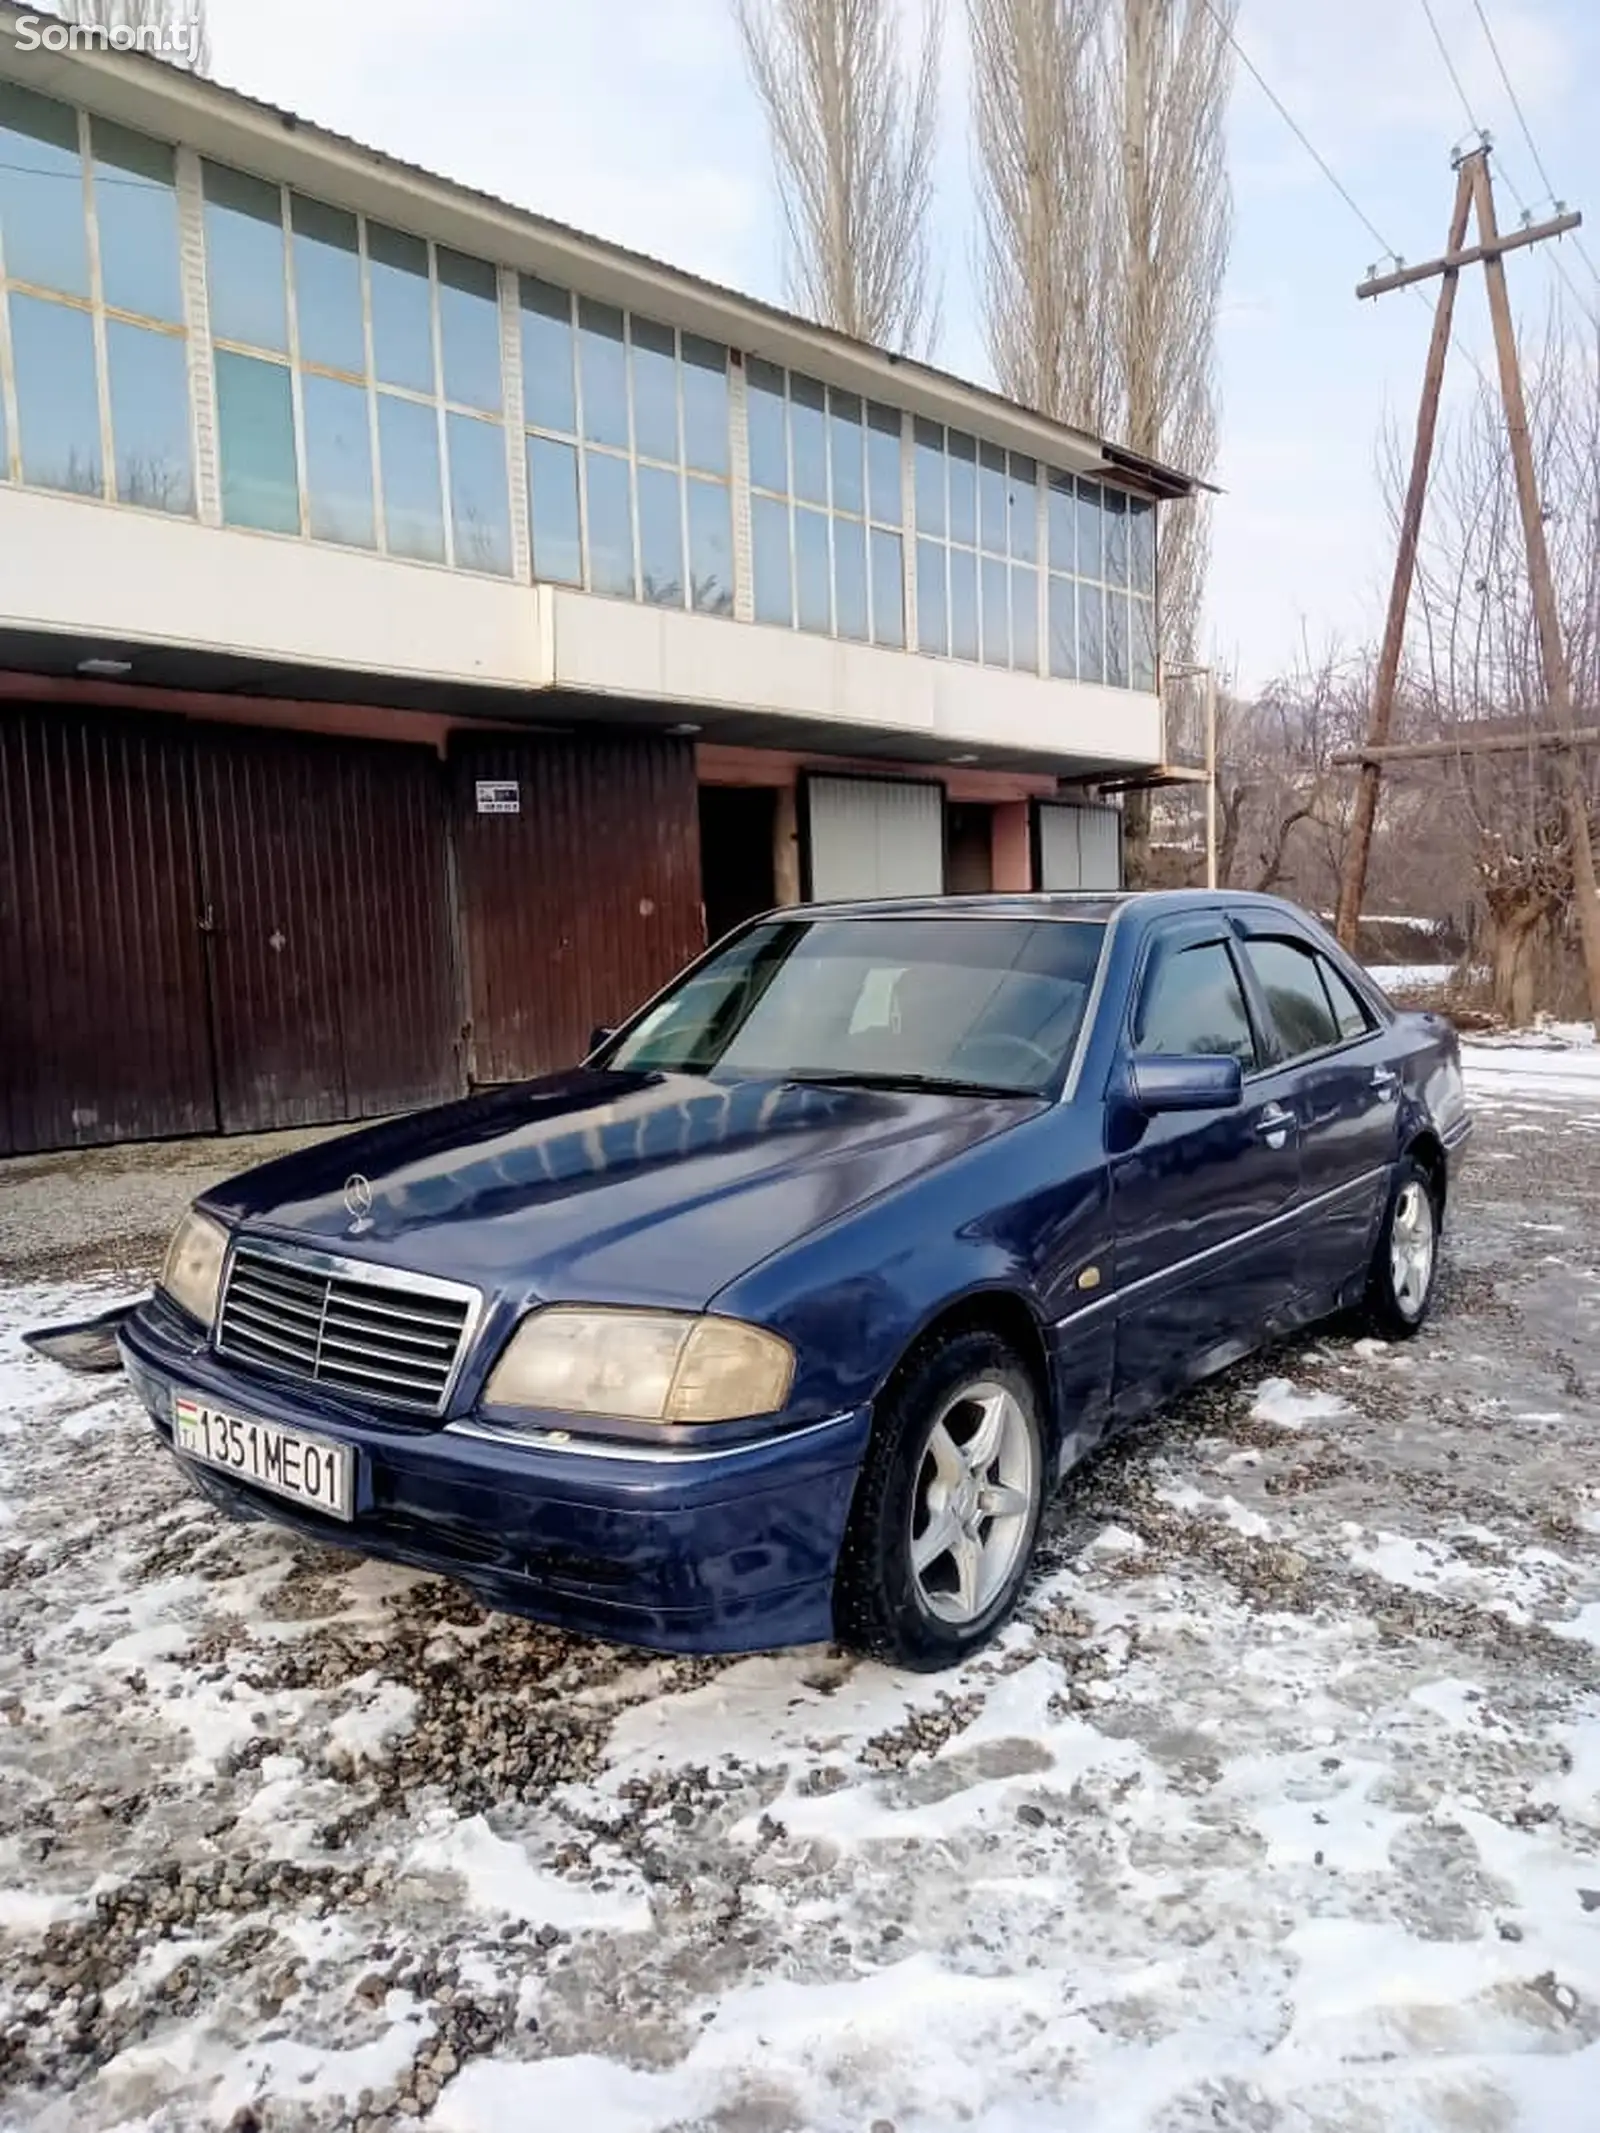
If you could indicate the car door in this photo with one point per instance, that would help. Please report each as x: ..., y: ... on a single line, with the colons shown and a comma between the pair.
x: 1329, y: 1060
x: 1203, y: 1203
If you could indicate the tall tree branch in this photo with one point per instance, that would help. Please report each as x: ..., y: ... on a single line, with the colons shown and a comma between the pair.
x: 853, y: 130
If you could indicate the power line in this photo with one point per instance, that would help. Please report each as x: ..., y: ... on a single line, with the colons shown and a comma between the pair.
x: 1533, y: 146
x: 1385, y: 247
x: 1556, y: 261
x: 1450, y: 68
x: 1300, y: 134
x: 1516, y: 101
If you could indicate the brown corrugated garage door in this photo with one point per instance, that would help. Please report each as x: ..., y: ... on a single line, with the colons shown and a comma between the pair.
x: 103, y: 1028
x: 580, y: 904
x: 324, y: 878
x: 213, y: 926
x: 205, y: 927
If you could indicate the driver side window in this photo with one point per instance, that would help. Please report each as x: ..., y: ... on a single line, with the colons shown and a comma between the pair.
x: 1193, y: 1002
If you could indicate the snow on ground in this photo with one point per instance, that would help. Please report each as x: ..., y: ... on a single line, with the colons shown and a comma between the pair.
x: 1556, y: 1064
x: 1410, y: 977
x: 1278, y: 1811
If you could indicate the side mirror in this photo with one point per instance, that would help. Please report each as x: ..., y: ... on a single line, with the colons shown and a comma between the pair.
x: 1185, y: 1081
x: 599, y: 1035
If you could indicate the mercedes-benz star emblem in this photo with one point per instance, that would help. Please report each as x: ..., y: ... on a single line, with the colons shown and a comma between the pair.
x: 358, y: 1196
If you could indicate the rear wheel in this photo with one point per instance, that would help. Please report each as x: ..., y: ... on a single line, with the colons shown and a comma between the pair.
x: 947, y: 1508
x: 1400, y: 1285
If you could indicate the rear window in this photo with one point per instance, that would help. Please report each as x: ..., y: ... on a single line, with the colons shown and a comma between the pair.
x: 1349, y: 1011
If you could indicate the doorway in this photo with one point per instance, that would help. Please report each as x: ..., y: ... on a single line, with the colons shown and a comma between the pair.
x: 737, y: 875
x: 968, y: 848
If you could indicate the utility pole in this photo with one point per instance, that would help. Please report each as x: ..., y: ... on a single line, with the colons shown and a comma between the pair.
x: 1475, y: 190
x: 1353, y: 876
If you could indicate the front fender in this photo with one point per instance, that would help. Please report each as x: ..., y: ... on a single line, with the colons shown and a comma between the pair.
x: 1019, y: 1217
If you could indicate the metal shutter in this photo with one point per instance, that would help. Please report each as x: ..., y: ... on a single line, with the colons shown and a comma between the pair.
x: 874, y: 837
x: 1079, y: 847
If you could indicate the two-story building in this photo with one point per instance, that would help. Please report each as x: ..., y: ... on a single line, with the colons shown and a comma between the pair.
x: 421, y: 624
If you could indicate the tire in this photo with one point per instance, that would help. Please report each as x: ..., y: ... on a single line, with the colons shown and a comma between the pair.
x: 898, y: 1595
x: 1400, y: 1285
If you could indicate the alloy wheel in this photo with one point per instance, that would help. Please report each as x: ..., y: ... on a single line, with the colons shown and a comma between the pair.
x: 1412, y: 1241
x: 972, y: 1507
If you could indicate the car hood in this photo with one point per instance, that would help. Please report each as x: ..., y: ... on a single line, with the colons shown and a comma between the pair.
x: 653, y: 1189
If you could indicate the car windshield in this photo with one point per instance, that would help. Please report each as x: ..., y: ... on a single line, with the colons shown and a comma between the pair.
x: 978, y: 1003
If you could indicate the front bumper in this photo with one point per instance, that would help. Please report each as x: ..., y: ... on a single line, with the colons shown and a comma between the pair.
x: 722, y: 1552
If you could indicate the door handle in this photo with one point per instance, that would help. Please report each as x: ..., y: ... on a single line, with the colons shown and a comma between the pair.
x: 1387, y: 1083
x: 1274, y: 1125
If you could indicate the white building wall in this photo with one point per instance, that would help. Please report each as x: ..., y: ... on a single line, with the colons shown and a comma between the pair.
x: 98, y: 572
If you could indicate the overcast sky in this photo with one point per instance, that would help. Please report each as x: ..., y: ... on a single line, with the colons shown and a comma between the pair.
x: 634, y: 120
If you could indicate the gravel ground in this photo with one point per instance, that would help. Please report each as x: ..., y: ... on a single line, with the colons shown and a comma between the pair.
x: 1279, y: 1809
x: 93, y: 1209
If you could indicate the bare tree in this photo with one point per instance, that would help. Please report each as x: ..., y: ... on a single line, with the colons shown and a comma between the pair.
x: 148, y: 21
x: 1038, y: 128
x: 1165, y: 251
x: 1282, y: 808
x: 1102, y: 178
x: 853, y: 135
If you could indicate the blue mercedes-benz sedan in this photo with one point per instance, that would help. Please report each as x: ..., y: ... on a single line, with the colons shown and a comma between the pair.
x: 782, y: 1315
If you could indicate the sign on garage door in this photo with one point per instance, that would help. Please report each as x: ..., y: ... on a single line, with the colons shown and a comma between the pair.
x: 1079, y: 847
x: 874, y: 837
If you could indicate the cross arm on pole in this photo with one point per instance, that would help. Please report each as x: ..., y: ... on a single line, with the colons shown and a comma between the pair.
x: 1453, y: 260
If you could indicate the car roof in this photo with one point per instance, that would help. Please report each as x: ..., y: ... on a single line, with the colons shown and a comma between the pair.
x: 1092, y: 905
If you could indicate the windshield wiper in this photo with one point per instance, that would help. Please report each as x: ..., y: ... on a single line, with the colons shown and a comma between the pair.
x: 938, y: 1084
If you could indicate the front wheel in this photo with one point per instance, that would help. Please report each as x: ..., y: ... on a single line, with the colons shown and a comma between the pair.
x: 947, y: 1508
x: 1400, y: 1285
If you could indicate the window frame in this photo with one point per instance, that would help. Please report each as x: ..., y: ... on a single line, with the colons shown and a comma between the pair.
x: 1326, y: 967
x: 867, y: 518
x: 1006, y: 559
x: 1280, y: 1060
x: 438, y: 403
x: 1178, y: 938
x: 632, y: 456
x: 100, y: 314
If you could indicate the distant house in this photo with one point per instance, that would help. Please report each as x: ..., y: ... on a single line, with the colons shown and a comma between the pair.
x: 421, y: 624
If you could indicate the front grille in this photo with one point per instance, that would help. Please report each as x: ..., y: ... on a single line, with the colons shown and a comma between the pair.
x: 382, y: 1340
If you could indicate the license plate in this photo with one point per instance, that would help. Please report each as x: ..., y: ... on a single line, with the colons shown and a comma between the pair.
x: 308, y: 1470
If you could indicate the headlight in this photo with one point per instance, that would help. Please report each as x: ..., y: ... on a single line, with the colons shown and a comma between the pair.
x: 191, y: 1273
x: 642, y: 1366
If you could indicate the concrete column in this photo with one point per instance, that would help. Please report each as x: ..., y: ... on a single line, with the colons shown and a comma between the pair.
x: 516, y: 449
x: 744, y: 568
x: 197, y: 317
x: 786, y: 846
x: 1012, y: 846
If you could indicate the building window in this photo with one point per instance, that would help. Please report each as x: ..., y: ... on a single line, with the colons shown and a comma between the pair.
x: 978, y: 585
x: 1102, y: 597
x: 826, y: 508
x: 359, y: 391
x: 91, y: 310
x: 628, y: 462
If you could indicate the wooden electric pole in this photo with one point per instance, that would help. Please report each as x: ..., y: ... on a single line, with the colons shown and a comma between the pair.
x: 1474, y: 189
x: 1353, y: 877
